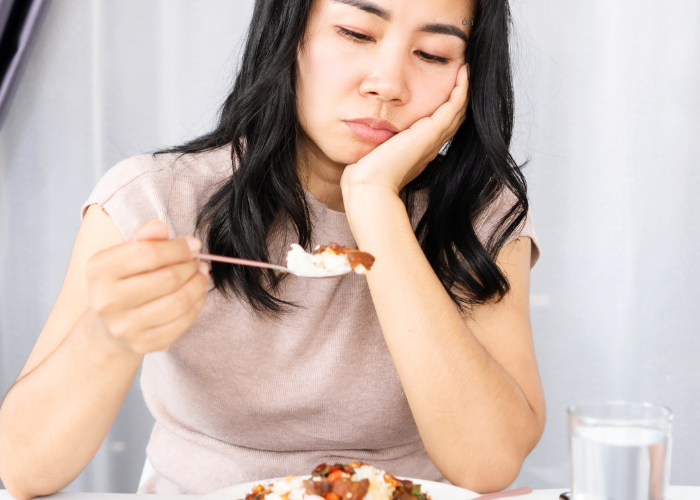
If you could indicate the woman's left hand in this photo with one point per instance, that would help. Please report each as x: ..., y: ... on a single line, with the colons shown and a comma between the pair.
x: 398, y: 161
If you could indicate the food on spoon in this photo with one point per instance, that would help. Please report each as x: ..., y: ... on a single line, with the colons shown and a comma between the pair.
x: 330, y: 260
x: 352, y: 481
x: 360, y: 262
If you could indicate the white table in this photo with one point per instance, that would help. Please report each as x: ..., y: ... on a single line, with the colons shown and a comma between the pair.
x: 675, y: 493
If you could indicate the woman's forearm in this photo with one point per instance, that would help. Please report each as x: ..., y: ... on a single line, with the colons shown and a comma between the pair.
x: 473, y: 418
x: 54, y: 418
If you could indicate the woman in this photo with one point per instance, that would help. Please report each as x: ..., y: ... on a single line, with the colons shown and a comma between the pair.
x: 425, y: 367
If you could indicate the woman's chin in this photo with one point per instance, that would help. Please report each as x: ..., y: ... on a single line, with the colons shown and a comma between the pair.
x: 353, y: 153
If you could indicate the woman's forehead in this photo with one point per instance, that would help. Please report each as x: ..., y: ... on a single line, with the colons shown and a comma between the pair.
x: 452, y: 17
x: 393, y: 10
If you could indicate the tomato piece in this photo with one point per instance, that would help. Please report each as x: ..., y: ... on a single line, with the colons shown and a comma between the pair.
x: 335, y: 475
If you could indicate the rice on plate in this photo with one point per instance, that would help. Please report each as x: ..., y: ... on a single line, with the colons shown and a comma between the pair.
x: 352, y: 481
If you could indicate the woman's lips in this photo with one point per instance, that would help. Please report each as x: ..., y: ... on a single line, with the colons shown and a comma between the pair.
x: 369, y: 134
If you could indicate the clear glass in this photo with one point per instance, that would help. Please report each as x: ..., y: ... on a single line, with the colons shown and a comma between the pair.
x: 620, y: 451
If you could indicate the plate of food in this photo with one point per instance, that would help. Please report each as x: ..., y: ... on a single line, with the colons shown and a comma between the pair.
x: 351, y: 481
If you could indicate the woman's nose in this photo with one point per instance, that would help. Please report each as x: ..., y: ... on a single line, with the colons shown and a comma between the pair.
x: 386, y: 79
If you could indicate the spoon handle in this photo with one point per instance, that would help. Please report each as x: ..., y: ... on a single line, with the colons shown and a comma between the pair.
x: 503, y: 494
x: 242, y: 262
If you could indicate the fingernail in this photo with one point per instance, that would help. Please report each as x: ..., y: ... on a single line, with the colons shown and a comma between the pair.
x: 204, y: 269
x: 195, y: 245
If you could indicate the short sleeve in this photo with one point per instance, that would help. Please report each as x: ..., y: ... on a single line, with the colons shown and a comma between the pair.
x: 171, y: 188
x: 133, y: 192
x: 487, y: 223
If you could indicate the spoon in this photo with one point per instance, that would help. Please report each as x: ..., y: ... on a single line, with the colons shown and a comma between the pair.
x: 503, y: 494
x: 257, y: 263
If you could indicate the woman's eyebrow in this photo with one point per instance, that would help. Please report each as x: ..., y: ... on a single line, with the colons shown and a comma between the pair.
x: 440, y: 28
x: 445, y: 29
x: 370, y: 7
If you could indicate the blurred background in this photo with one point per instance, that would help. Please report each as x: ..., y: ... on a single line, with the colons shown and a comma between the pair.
x: 607, y: 113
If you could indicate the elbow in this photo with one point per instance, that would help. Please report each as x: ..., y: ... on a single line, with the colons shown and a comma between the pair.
x: 20, y: 486
x: 23, y: 488
x: 14, y: 485
x: 18, y: 494
x: 19, y: 473
x: 488, y: 479
x: 499, y: 468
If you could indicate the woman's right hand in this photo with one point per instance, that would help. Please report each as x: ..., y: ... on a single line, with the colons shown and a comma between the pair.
x: 144, y: 293
x: 119, y: 300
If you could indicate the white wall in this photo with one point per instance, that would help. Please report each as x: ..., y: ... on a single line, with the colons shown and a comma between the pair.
x: 607, y: 112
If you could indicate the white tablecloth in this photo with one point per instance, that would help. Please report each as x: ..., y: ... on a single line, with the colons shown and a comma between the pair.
x: 675, y: 493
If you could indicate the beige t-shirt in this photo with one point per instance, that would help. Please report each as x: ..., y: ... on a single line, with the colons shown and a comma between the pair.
x: 238, y: 397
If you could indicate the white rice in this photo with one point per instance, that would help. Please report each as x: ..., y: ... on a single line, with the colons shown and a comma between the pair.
x: 379, y: 489
x: 360, y: 269
x: 292, y: 487
x: 319, y: 265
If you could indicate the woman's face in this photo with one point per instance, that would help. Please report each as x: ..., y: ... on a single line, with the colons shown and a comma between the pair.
x: 393, y: 60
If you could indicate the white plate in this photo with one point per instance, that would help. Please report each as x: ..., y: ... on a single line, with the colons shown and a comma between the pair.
x: 438, y: 491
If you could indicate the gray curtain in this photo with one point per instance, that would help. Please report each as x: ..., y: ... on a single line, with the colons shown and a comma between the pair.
x: 607, y: 114
x: 106, y: 80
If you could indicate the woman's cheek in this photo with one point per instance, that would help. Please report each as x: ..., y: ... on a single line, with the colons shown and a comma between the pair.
x: 428, y: 94
x: 336, y: 67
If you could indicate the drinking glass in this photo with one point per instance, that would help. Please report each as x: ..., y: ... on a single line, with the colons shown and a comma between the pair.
x: 620, y: 451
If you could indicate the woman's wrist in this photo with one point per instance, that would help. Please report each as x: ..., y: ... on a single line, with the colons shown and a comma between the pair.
x: 108, y: 345
x: 373, y: 211
x: 359, y: 199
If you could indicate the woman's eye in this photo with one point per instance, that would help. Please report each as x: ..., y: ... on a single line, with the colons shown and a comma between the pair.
x: 354, y: 36
x: 431, y: 58
x: 360, y: 38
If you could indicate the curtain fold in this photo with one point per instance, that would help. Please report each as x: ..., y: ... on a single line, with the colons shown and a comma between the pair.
x: 20, y: 21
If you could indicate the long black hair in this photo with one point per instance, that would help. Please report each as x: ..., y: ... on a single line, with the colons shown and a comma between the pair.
x: 259, y: 122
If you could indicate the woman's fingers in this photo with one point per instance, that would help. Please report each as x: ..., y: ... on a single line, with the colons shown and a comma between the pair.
x: 159, y: 338
x: 142, y: 288
x: 137, y: 257
x: 450, y: 115
x: 445, y: 121
x: 129, y: 323
x: 170, y: 307
x: 147, y: 285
